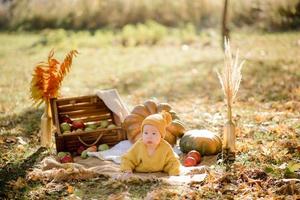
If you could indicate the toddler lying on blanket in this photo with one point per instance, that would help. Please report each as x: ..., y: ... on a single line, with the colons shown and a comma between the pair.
x: 152, y: 153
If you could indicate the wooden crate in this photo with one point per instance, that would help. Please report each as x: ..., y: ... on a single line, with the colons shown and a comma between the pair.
x: 89, y: 109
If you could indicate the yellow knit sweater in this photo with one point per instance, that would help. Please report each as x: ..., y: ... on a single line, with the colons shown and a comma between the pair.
x: 137, y: 159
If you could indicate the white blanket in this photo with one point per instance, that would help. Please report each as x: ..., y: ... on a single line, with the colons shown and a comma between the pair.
x: 113, y: 153
x: 113, y: 101
x: 118, y: 150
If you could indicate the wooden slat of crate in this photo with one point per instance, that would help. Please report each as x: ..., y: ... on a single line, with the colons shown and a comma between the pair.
x: 78, y: 100
x: 107, y: 131
x: 83, y: 113
x: 68, y: 108
x: 71, y: 142
x: 95, y: 119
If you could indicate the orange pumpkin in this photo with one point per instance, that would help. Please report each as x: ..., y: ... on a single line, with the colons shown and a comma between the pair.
x: 132, y: 123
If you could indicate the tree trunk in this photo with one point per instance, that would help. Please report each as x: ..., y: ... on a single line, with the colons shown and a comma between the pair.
x: 225, y: 30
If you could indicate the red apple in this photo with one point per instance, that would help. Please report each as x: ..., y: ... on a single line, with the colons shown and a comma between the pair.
x: 66, y: 118
x: 66, y: 159
x: 195, y: 154
x: 189, y: 161
x: 78, y: 124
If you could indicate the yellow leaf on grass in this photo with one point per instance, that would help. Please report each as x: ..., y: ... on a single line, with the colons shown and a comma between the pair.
x: 70, y: 189
x: 18, y: 184
x: 259, y: 118
x: 293, y: 166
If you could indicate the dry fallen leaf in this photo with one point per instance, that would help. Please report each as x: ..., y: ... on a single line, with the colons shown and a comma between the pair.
x: 18, y: 184
x: 259, y: 118
x: 70, y: 189
x: 1, y: 140
x: 11, y: 139
x: 20, y: 148
x: 121, y: 196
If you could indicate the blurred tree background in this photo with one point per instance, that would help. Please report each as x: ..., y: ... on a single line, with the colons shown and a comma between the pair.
x: 94, y: 14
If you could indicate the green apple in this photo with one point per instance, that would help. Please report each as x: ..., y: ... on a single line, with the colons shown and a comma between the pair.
x: 112, y: 126
x: 65, y: 126
x: 61, y: 154
x: 88, y: 129
x: 104, y: 123
x: 92, y: 126
x: 66, y: 132
x: 84, y: 154
x: 103, y: 147
x: 98, y: 123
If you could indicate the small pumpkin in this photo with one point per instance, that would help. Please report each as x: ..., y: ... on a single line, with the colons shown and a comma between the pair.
x: 132, y: 123
x: 203, y: 141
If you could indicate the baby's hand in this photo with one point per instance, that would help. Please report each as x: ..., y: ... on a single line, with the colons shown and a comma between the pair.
x: 127, y: 171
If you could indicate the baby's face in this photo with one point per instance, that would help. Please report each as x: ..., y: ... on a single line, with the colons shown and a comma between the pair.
x: 151, y: 136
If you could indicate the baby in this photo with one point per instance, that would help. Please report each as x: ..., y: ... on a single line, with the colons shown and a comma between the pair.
x: 152, y: 153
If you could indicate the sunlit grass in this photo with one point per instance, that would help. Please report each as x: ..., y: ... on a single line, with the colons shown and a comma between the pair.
x: 173, y: 70
x: 165, y: 71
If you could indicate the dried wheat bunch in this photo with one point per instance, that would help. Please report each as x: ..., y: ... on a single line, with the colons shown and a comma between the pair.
x: 230, y: 76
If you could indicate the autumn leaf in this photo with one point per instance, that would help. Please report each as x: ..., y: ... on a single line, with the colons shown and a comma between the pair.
x: 18, y: 184
x: 70, y: 189
x: 292, y: 167
x: 259, y: 118
x: 48, y: 76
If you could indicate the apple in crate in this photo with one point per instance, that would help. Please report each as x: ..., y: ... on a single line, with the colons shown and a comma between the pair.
x: 103, y: 147
x: 88, y: 129
x: 66, y: 118
x: 103, y: 123
x: 111, y: 126
x: 78, y: 124
x: 91, y: 126
x: 65, y: 126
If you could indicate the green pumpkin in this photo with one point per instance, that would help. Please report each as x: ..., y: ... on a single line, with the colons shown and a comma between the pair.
x: 203, y: 141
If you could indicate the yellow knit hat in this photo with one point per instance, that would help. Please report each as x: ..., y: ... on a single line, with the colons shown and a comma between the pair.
x: 159, y: 120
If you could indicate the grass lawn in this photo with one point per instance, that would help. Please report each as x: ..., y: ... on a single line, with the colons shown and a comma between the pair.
x: 267, y: 111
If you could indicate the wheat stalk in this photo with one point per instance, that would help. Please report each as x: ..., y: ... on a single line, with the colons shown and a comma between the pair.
x: 230, y: 77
